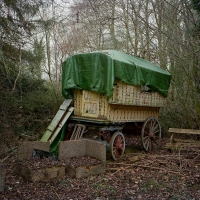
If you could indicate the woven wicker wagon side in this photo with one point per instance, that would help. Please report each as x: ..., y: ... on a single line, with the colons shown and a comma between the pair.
x: 128, y: 104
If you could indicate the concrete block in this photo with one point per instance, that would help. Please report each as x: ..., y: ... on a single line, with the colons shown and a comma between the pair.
x: 25, y: 149
x: 96, y: 150
x: 72, y: 148
x: 79, y: 148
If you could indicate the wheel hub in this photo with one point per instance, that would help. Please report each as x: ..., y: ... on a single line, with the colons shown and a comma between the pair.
x: 118, y: 145
x: 151, y: 136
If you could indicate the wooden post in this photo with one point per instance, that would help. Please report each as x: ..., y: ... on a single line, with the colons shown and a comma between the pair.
x: 172, y: 139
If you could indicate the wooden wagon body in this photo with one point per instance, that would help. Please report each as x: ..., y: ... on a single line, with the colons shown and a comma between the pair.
x: 128, y: 103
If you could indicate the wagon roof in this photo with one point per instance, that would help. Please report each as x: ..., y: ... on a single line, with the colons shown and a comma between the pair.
x: 97, y: 71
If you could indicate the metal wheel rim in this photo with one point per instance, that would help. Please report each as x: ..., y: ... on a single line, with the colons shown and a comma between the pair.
x: 117, y: 145
x: 151, y: 134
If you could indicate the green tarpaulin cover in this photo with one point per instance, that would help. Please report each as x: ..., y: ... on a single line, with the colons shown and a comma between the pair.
x: 96, y: 71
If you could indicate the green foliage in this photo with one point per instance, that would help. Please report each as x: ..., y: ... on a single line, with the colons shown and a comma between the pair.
x: 17, y: 54
x: 195, y: 30
x: 195, y: 5
x: 27, y: 103
x: 171, y: 117
x: 36, y: 110
x: 29, y: 109
x: 15, y: 17
x: 181, y: 112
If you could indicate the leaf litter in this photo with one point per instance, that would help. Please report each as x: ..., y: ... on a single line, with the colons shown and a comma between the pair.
x: 139, y: 175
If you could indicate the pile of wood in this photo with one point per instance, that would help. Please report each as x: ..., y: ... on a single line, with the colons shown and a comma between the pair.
x: 175, y: 163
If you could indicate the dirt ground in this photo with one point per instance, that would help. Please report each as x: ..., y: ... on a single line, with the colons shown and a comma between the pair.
x: 139, y: 175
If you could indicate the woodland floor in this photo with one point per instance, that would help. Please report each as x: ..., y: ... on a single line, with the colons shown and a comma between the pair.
x: 139, y: 175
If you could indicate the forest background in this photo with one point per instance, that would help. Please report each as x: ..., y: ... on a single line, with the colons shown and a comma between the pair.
x: 37, y: 36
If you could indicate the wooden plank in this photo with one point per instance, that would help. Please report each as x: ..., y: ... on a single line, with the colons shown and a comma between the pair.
x: 60, y: 124
x: 91, y: 120
x: 56, y: 120
x: 184, y: 131
x: 186, y: 141
x: 182, y: 146
x: 59, y: 114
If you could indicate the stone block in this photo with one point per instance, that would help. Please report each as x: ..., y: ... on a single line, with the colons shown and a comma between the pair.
x: 35, y: 175
x: 85, y: 171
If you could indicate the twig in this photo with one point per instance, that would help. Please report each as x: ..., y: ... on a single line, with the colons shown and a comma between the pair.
x: 120, y: 170
x: 24, y: 135
x: 143, y: 166
x: 12, y: 152
x: 53, y: 189
x: 20, y: 68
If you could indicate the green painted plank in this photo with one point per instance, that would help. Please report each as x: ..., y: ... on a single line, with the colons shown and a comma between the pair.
x: 46, y: 136
x: 52, y: 126
x: 61, y: 123
x: 59, y: 114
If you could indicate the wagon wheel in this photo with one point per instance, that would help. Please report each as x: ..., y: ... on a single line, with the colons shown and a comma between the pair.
x: 117, y: 145
x: 151, y: 134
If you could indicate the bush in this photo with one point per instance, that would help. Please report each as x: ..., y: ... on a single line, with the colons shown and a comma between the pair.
x: 29, y: 109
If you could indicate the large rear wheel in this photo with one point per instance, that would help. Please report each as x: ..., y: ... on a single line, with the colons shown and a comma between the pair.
x: 151, y: 134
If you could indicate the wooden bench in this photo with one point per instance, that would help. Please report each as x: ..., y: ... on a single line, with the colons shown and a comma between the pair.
x: 183, y: 144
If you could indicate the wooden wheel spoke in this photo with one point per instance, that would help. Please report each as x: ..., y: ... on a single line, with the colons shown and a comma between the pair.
x: 156, y: 131
x: 145, y: 137
x: 152, y: 122
x: 155, y: 128
x: 121, y: 140
x: 146, y: 141
x: 146, y: 132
